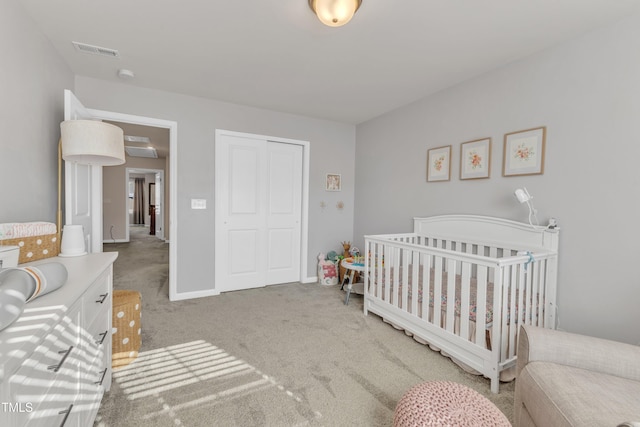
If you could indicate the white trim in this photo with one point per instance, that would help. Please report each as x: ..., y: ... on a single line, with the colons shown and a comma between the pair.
x: 310, y: 280
x: 107, y: 242
x: 306, y: 160
x: 195, y: 294
x: 173, y: 184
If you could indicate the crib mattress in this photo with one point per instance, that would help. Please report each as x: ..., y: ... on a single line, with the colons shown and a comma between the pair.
x: 473, y: 294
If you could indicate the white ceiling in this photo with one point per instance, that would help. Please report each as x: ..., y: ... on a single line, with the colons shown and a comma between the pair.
x: 275, y: 54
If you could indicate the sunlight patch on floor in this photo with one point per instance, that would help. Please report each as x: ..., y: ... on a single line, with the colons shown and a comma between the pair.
x: 157, y: 374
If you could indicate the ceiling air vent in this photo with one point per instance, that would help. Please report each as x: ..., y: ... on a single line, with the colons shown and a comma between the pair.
x: 149, y: 152
x: 96, y: 50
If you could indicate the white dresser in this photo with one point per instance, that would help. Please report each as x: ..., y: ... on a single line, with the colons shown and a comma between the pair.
x: 55, y: 359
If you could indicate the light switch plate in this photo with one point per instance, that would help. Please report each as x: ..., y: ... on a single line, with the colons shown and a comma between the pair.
x: 198, y: 203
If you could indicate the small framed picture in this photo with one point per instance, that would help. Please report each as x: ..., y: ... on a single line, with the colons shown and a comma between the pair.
x: 475, y: 159
x: 439, y: 164
x: 524, y: 152
x: 334, y: 182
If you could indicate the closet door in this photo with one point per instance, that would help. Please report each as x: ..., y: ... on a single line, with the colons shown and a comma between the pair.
x: 258, y: 212
x: 284, y: 210
x: 240, y: 213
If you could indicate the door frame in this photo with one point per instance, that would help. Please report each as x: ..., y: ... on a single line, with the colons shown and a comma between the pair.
x: 145, y: 171
x: 304, y: 215
x: 172, y: 126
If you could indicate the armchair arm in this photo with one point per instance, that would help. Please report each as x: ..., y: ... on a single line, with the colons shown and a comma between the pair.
x: 580, y: 351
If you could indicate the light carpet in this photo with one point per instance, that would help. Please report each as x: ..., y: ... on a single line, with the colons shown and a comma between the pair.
x: 285, y: 355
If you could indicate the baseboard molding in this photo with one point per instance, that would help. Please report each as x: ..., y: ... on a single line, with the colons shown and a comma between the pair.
x: 104, y: 242
x: 310, y: 279
x: 191, y: 295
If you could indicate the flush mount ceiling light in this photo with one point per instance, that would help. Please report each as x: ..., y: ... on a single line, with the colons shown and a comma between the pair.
x: 334, y: 13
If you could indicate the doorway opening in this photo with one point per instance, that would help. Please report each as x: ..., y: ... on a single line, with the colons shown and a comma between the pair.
x: 132, y: 125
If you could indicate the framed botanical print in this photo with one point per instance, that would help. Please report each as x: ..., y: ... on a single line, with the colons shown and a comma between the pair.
x: 439, y: 164
x: 333, y: 182
x: 524, y: 152
x: 475, y: 159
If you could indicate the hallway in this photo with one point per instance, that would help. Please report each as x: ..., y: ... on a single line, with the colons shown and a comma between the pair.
x: 142, y: 264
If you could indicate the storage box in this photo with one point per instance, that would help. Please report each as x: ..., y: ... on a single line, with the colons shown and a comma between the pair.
x: 9, y: 256
x: 35, y: 247
x: 126, y: 335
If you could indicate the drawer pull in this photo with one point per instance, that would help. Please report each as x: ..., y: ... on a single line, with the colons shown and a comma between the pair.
x: 104, y: 373
x: 103, y: 297
x: 56, y: 368
x: 103, y: 335
x: 66, y: 412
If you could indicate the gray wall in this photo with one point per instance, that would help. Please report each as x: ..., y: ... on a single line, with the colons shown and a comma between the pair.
x: 32, y: 80
x: 332, y: 151
x: 587, y: 93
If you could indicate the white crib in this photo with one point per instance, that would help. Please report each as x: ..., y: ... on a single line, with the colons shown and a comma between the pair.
x: 499, y: 274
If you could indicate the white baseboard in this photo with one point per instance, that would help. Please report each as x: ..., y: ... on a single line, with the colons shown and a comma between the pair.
x: 310, y: 279
x: 116, y: 241
x: 195, y: 294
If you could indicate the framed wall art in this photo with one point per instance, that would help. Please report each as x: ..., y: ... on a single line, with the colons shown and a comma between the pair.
x: 439, y: 164
x: 333, y: 182
x: 524, y: 152
x: 475, y: 159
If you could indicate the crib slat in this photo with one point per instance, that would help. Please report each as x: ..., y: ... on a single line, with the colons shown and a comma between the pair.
x: 481, y: 305
x: 437, y: 291
x: 537, y: 301
x: 395, y: 290
x: 519, y: 315
x: 426, y: 286
x: 451, y: 295
x: 465, y: 297
x: 379, y: 253
x: 405, y: 279
x: 523, y: 312
x: 530, y: 319
x: 384, y: 270
x: 415, y: 282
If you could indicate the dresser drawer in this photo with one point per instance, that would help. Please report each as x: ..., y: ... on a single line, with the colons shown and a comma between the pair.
x: 55, y: 410
x: 97, y: 299
x: 51, y: 369
x: 96, y: 338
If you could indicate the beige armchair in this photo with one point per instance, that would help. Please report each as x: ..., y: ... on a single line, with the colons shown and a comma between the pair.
x: 565, y: 379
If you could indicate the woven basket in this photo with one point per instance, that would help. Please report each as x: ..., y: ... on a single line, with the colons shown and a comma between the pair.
x: 34, y: 248
x: 126, y: 336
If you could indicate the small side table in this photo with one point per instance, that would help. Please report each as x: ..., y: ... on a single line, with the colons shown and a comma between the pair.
x: 350, y: 272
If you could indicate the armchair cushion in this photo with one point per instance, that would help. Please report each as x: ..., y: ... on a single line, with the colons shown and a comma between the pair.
x: 565, y: 379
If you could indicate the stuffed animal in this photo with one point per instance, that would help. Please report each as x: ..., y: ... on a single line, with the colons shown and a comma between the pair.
x: 346, y: 246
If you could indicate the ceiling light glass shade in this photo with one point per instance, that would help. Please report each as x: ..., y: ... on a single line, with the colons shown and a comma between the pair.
x: 335, y: 13
x: 91, y: 142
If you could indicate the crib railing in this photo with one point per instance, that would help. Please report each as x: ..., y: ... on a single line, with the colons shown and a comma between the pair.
x: 466, y: 298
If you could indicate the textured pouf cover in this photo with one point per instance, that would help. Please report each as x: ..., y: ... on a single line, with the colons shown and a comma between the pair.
x: 445, y: 403
x: 126, y: 330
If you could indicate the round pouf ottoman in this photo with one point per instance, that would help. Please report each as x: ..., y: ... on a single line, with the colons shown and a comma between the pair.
x: 445, y: 403
x: 126, y: 332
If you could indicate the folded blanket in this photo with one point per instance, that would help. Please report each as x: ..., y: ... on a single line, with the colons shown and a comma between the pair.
x: 16, y: 230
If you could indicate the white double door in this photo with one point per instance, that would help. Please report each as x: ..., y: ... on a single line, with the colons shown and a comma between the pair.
x: 258, y: 211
